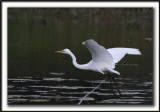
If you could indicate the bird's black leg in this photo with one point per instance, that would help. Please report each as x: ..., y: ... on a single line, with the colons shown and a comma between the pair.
x: 115, y: 84
x: 109, y: 77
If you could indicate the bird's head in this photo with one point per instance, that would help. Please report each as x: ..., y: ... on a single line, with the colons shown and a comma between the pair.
x: 65, y: 51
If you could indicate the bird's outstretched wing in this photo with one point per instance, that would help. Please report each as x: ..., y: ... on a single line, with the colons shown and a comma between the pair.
x: 99, y: 53
x: 119, y: 53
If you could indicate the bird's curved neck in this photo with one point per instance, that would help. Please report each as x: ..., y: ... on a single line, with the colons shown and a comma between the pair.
x: 80, y: 66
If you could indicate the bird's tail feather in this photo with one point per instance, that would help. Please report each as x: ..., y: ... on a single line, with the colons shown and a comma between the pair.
x: 114, y: 71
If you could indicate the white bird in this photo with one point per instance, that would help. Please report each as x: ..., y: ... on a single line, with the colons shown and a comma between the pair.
x: 103, y: 60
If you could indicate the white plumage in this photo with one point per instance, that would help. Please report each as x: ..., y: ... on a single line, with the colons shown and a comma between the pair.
x: 99, y: 53
x: 119, y: 53
x: 103, y: 60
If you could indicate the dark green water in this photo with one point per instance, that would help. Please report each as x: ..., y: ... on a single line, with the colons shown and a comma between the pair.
x: 35, y: 34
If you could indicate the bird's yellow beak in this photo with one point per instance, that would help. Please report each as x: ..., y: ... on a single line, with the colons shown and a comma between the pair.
x: 59, y: 51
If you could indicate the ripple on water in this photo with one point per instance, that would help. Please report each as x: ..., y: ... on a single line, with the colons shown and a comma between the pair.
x: 53, y: 73
x: 63, y: 91
x: 59, y: 79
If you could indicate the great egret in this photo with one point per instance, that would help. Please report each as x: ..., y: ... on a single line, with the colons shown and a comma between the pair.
x: 103, y: 60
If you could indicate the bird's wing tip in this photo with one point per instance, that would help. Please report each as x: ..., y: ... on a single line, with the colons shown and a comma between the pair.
x: 139, y: 52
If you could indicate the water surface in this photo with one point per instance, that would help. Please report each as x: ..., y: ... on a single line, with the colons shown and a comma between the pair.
x: 58, y: 90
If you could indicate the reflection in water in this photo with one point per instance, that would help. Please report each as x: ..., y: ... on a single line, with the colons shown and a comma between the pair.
x: 37, y: 90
